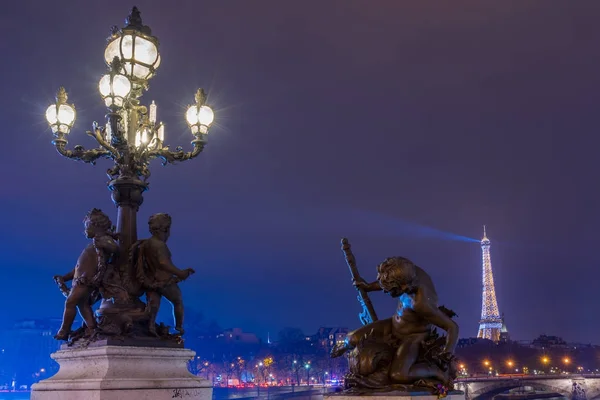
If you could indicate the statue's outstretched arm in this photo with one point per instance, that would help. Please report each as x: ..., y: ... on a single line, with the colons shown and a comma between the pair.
x: 367, y: 287
x: 167, y: 265
x: 374, y: 287
x: 438, y: 318
x: 61, y: 279
x: 164, y: 260
x: 69, y: 275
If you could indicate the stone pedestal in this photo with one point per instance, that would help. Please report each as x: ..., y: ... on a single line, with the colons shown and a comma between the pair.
x: 456, y: 395
x: 122, y: 373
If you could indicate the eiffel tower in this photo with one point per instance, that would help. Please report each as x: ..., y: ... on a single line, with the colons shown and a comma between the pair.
x: 491, y: 322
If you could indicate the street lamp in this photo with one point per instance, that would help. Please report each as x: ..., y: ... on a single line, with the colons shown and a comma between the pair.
x: 307, y: 367
x: 132, y: 136
x: 545, y: 360
x: 198, y: 116
x: 61, y: 115
x: 566, y: 361
x: 114, y: 87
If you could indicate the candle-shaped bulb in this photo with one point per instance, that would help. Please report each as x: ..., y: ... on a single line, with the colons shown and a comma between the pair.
x: 152, y: 115
x: 138, y: 139
x: 161, y: 132
x: 108, y: 133
x: 144, y: 136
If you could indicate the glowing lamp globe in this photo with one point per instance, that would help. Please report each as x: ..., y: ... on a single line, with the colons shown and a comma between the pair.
x: 140, y: 55
x: 199, y: 118
x: 136, y: 48
x: 114, y: 89
x: 60, y: 116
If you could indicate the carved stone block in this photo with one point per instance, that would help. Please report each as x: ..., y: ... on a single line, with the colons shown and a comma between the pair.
x: 121, y: 372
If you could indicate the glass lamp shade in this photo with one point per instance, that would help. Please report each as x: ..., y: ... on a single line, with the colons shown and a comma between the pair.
x: 139, y: 54
x: 114, y: 89
x: 191, y: 115
x: 199, y: 118
x: 206, y: 116
x: 60, y: 117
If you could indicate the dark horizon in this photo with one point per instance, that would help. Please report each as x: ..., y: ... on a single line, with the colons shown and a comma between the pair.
x: 404, y: 127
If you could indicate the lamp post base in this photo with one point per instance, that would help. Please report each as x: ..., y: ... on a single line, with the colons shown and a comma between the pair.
x: 122, y: 372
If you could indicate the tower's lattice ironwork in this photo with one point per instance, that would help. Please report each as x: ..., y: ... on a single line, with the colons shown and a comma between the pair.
x: 490, y: 324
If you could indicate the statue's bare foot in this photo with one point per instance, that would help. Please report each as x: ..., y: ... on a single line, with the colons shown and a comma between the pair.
x: 180, y: 330
x: 338, y: 350
x: 62, y: 335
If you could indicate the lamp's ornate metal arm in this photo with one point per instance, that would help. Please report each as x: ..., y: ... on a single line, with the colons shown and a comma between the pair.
x: 98, y: 134
x: 171, y: 157
x: 79, y: 153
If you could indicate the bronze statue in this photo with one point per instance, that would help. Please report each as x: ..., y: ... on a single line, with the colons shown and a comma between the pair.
x: 119, y: 280
x: 157, y: 273
x: 403, y: 352
x: 87, y: 275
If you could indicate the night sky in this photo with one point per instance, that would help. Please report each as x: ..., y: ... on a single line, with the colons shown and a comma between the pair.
x: 403, y: 126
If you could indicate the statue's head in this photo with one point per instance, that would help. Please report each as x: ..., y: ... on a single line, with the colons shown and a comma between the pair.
x: 160, y: 225
x: 397, y: 275
x: 96, y: 222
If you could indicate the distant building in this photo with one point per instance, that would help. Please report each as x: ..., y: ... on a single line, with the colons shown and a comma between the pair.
x: 326, y: 337
x: 25, y: 350
x: 576, y: 346
x: 236, y: 335
x: 548, y: 342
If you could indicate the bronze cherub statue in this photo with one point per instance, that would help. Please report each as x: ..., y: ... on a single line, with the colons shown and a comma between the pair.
x: 119, y: 278
x: 404, y: 352
x: 88, y: 273
x: 156, y: 272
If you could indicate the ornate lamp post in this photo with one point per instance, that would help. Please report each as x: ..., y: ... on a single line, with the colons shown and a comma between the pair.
x: 132, y: 136
x: 120, y: 351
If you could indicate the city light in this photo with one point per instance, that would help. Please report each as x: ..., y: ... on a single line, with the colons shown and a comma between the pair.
x: 486, y: 363
x: 510, y: 363
x: 567, y: 360
x: 545, y: 360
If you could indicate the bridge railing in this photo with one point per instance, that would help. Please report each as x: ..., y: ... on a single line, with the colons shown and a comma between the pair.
x: 526, y: 377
